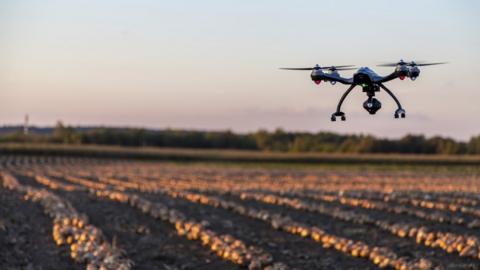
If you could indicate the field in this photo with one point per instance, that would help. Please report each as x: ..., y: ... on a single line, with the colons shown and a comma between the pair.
x: 235, y: 156
x: 59, y: 212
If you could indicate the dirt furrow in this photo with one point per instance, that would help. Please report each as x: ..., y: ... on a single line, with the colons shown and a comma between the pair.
x: 149, y: 243
x: 363, y: 232
x: 295, y: 251
x: 298, y: 252
x: 26, y: 236
x: 437, y: 220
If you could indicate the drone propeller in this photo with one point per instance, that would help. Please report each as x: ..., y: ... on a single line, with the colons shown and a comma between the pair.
x: 337, y: 68
x: 317, y: 67
x: 410, y: 64
x: 344, y: 67
x: 308, y: 68
x: 340, y: 68
x: 413, y: 64
x: 399, y: 63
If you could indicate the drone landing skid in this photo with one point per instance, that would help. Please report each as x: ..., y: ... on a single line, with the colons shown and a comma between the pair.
x: 399, y: 112
x: 339, y: 114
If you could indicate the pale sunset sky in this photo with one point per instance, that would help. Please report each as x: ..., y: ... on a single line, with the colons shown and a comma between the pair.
x: 214, y: 64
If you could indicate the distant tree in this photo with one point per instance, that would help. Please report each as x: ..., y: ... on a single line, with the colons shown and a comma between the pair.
x: 414, y: 144
x: 444, y: 146
x: 366, y: 144
x: 349, y: 145
x: 278, y: 140
x: 15, y: 136
x: 65, y: 134
x: 474, y: 145
x: 281, y: 140
x: 304, y: 143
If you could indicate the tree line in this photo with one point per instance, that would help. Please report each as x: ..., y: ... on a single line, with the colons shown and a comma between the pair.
x: 278, y: 140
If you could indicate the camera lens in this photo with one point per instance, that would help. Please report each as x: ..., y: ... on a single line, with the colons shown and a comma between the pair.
x: 372, y: 105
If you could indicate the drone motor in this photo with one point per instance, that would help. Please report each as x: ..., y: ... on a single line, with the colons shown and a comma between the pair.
x: 413, y: 73
x: 402, y: 70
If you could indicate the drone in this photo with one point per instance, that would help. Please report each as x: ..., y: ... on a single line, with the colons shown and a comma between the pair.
x: 370, y: 82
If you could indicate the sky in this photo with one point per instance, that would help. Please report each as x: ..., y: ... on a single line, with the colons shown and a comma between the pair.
x: 213, y: 64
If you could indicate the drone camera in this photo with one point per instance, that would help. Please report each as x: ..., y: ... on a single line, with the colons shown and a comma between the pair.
x: 372, y: 105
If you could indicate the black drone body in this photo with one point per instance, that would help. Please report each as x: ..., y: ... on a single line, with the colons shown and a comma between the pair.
x: 368, y: 80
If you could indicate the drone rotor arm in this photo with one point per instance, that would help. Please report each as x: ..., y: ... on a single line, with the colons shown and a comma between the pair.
x: 391, y: 76
x: 336, y: 78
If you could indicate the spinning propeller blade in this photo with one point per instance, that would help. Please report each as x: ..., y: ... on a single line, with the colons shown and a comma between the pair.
x: 388, y: 65
x: 338, y: 67
x: 399, y: 63
x: 426, y: 64
x: 310, y: 68
x: 343, y: 67
x: 410, y: 64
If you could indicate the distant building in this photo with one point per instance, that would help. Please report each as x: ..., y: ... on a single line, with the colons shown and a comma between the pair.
x: 25, y: 125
